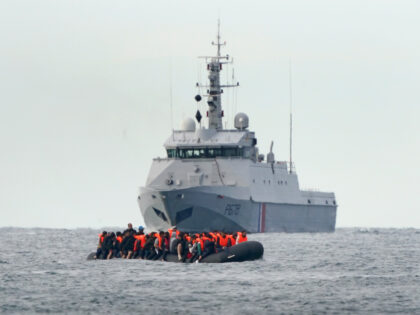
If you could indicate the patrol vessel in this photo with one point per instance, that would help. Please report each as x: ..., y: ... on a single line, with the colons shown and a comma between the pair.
x: 215, y: 179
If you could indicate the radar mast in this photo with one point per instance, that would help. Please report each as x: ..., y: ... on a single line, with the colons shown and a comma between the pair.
x: 214, y: 89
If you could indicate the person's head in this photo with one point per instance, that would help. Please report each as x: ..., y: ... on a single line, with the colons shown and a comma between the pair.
x: 130, y: 226
x: 104, y: 233
x: 161, y: 233
x: 243, y: 233
x: 235, y: 235
x: 174, y: 228
x: 180, y: 235
x: 126, y: 233
x: 222, y: 234
x: 147, y: 237
x: 119, y: 233
x: 112, y: 234
x: 141, y: 228
x: 167, y: 234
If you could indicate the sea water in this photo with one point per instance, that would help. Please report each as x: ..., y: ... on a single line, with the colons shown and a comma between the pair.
x: 350, y: 271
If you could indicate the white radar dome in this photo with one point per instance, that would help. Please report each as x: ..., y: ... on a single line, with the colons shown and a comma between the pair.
x: 241, y: 121
x: 188, y: 124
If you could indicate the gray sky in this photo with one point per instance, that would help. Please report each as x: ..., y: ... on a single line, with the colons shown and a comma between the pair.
x: 84, y: 100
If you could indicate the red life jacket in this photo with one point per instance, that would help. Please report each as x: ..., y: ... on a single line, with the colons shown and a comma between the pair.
x: 119, y: 239
x: 223, y: 241
x: 241, y: 238
x: 101, y: 238
x: 142, y: 241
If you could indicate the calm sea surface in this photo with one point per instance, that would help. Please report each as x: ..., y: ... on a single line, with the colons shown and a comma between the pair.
x: 349, y: 271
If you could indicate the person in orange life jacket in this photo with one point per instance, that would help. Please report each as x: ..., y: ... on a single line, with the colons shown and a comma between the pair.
x: 173, y: 232
x: 222, y: 241
x: 151, y: 246
x: 235, y: 237
x: 138, y: 244
x: 231, y: 240
x: 242, y: 237
x: 159, y: 245
x: 215, y: 237
x: 148, y: 247
x: 209, y: 246
x: 99, y: 252
x: 119, y: 237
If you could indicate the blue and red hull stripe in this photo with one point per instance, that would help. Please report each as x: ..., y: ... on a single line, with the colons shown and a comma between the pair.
x: 261, y: 218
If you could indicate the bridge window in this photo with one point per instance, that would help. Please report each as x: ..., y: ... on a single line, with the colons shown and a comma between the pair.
x: 196, y: 153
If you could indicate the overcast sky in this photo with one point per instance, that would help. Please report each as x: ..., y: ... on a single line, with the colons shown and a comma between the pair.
x: 84, y: 100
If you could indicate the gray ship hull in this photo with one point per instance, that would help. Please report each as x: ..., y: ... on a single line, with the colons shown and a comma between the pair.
x: 204, y: 209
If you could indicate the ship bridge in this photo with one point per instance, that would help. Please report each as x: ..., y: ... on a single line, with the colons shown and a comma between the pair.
x: 211, y: 143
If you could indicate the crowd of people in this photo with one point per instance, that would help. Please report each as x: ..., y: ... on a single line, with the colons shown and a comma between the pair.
x: 132, y: 244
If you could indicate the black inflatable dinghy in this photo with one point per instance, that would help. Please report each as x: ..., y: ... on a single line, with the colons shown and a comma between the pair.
x: 250, y: 250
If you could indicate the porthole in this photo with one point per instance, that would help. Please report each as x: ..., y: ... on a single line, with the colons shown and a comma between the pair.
x: 309, y: 200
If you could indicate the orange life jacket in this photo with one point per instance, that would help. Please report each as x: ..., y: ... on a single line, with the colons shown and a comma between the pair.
x: 223, y: 241
x: 101, y: 238
x: 119, y: 239
x: 170, y: 231
x: 214, y: 236
x: 205, y: 238
x: 142, y: 241
x: 241, y: 238
x: 137, y: 237
x: 232, y: 240
x: 188, y: 238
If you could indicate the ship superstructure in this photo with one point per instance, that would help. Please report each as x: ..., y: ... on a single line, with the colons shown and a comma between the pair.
x: 215, y: 178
